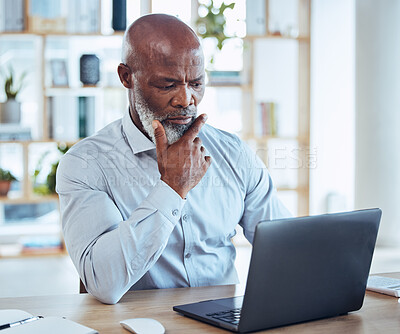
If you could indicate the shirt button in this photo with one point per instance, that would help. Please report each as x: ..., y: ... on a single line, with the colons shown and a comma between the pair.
x: 175, y: 212
x: 188, y: 255
x: 185, y: 217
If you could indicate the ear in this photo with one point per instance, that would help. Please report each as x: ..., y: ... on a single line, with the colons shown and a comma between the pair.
x: 125, y: 75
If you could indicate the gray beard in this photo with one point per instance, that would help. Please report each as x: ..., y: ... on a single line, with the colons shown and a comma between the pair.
x: 173, y: 132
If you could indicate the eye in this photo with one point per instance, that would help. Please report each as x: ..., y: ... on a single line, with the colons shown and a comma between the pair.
x: 196, y: 84
x: 167, y: 87
x: 163, y: 85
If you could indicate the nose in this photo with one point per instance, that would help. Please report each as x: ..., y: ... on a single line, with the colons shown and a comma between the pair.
x: 183, y: 97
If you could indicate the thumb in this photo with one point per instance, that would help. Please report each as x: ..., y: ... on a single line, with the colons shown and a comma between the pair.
x: 160, y: 137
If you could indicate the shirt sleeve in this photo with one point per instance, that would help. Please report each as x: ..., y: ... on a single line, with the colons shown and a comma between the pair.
x: 111, y: 254
x: 261, y: 201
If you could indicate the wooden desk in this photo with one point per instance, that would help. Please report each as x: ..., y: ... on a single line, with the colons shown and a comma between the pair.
x: 380, y: 313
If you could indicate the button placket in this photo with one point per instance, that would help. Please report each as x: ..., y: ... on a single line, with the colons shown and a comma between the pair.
x: 188, y: 255
x: 186, y: 252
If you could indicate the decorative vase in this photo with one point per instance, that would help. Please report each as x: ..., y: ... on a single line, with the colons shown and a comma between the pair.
x: 4, y: 187
x: 89, y: 69
x: 119, y: 15
x: 10, y: 111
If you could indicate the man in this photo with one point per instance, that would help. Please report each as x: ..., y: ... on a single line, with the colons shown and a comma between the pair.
x: 153, y: 200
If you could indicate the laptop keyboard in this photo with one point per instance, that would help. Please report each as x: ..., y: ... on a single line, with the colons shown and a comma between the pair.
x: 230, y: 316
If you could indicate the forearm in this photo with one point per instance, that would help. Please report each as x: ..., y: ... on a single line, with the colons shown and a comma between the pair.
x: 119, y: 258
x: 111, y: 254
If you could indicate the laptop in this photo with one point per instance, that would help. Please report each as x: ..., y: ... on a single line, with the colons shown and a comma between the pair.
x: 301, y: 269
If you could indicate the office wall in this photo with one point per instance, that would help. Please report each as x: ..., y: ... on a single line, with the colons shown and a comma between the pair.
x: 378, y: 113
x: 332, y: 105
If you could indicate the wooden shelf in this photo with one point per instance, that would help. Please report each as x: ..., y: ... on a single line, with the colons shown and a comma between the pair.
x: 38, y: 141
x: 79, y: 91
x: 252, y: 100
x: 283, y: 37
x: 296, y: 189
x: 265, y: 139
x: 228, y: 85
x: 73, y: 91
x: 60, y: 34
x: 37, y: 253
x: 28, y: 199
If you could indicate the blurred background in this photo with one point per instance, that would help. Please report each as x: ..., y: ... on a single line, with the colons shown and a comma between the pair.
x: 311, y: 85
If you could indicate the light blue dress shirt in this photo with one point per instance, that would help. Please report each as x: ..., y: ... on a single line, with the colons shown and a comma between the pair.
x: 126, y: 229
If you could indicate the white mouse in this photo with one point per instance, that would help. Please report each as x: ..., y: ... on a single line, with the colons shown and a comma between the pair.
x: 143, y: 326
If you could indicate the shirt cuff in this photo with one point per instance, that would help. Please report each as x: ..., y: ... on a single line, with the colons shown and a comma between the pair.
x: 167, y: 201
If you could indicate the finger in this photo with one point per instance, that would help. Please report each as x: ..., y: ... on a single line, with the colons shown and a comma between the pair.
x: 194, y: 129
x: 160, y: 137
x: 197, y: 141
x: 207, y: 158
x: 202, y: 149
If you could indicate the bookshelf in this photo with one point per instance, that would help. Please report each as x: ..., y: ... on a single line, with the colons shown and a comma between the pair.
x: 278, y: 43
x: 31, y: 46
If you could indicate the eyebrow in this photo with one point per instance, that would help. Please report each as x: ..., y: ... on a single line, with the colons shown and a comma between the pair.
x: 176, y: 80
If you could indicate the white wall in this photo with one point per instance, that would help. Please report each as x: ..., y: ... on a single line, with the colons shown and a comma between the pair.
x: 332, y: 104
x: 378, y: 113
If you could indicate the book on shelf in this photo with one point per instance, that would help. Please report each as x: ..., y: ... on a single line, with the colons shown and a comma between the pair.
x: 266, y: 120
x: 256, y: 22
x: 71, y: 117
x: 59, y: 72
x: 12, y: 15
x: 14, y: 132
x: 65, y: 16
x: 41, y: 244
x: 2, y: 16
x: 224, y: 78
x: 63, y: 118
x: 47, y: 16
x: 86, y: 112
x: 31, y: 244
x: 83, y: 16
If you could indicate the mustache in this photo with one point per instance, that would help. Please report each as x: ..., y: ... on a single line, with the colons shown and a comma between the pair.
x: 188, y: 111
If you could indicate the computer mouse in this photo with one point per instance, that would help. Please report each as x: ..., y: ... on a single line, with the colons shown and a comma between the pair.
x: 143, y: 326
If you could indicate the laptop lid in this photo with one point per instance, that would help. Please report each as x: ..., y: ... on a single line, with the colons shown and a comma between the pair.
x: 308, y: 268
x: 301, y: 269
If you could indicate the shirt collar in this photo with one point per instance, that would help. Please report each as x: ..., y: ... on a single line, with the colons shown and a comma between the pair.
x: 136, y: 139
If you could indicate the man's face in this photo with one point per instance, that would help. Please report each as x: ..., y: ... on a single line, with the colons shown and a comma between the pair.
x: 169, y: 90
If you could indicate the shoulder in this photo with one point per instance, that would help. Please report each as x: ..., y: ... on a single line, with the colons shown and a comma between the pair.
x: 83, y: 164
x: 230, y: 147
x: 215, y: 135
x: 105, y: 140
x: 88, y: 155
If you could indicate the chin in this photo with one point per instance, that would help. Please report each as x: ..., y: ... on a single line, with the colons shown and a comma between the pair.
x: 174, y: 132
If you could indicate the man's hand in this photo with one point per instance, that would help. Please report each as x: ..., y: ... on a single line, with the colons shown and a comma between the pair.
x: 182, y: 164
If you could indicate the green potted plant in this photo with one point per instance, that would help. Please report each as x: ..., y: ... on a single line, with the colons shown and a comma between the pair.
x: 49, y: 185
x: 6, y: 177
x: 212, y: 25
x: 11, y: 109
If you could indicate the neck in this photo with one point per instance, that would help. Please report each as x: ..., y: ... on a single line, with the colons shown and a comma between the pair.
x: 135, y: 119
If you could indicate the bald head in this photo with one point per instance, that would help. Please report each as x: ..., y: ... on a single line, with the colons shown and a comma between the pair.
x: 156, y: 38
